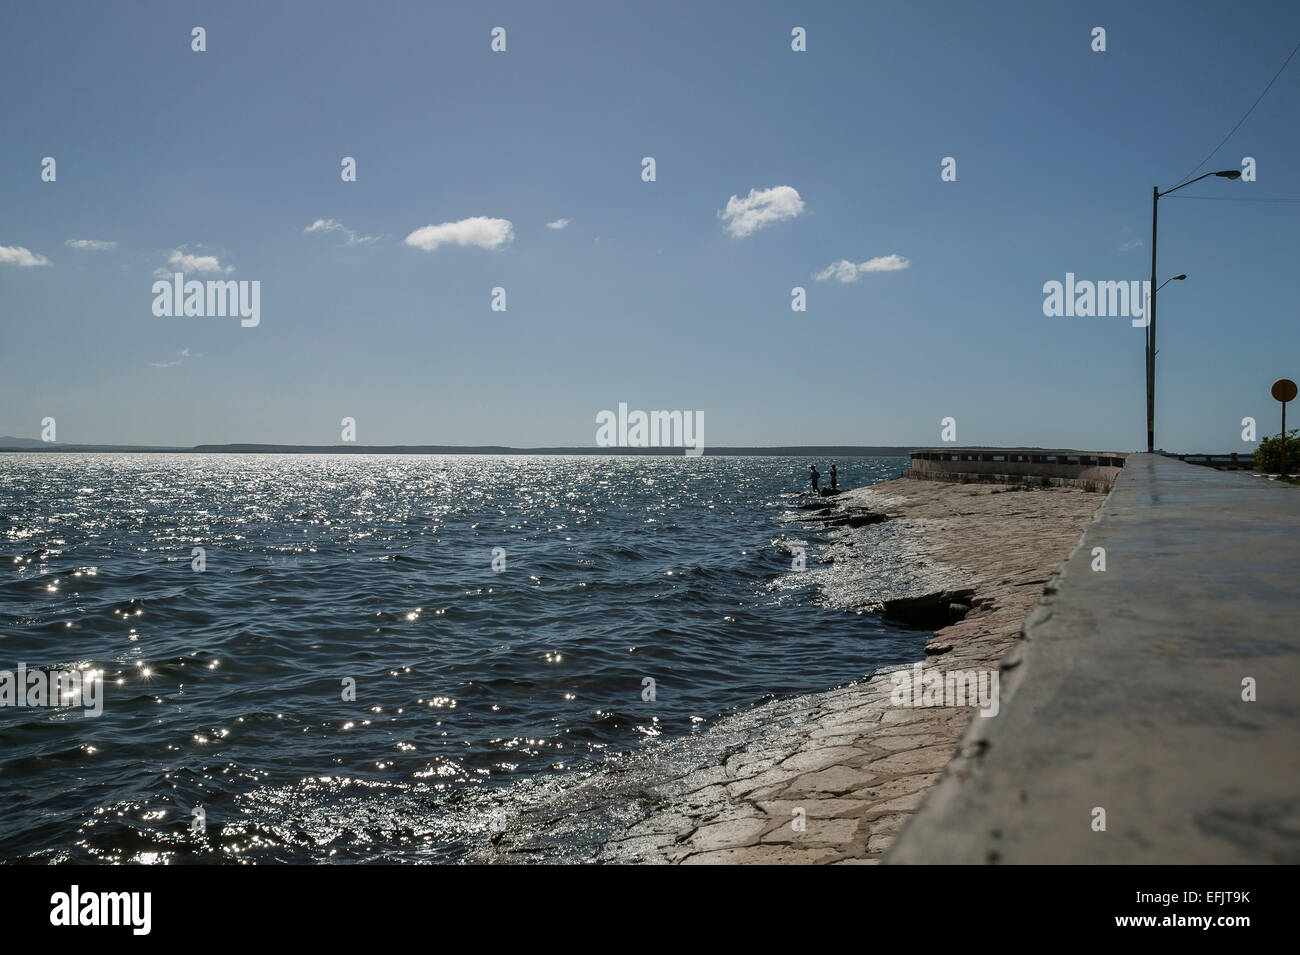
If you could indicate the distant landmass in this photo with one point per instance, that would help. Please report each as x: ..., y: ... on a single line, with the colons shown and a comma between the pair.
x: 842, y: 450
x: 9, y: 443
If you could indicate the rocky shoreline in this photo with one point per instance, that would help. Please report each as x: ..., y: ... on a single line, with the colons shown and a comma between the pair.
x: 832, y: 777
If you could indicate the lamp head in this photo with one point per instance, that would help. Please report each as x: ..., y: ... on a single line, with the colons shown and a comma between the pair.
x: 1230, y: 174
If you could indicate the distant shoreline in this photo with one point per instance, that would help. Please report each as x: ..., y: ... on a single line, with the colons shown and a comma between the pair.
x: 790, y: 451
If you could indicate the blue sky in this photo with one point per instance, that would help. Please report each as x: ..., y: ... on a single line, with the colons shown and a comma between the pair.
x: 645, y: 297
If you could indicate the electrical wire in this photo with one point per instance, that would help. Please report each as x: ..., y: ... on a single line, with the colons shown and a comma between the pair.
x: 1243, y: 118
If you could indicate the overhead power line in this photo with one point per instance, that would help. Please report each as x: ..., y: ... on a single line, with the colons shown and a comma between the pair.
x: 1233, y: 199
x: 1243, y: 118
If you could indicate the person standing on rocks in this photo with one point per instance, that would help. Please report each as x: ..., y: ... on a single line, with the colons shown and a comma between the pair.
x: 815, y: 476
x: 835, y: 481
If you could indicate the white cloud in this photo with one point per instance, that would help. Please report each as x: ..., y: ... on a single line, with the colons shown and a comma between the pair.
x: 90, y: 245
x: 17, y: 255
x: 183, y: 353
x: 478, y: 231
x: 203, y: 264
x: 846, y: 271
x: 1130, y: 245
x: 744, y: 217
x: 333, y: 225
x: 557, y: 224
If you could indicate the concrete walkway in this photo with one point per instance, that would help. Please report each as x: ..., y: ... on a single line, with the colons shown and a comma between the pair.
x: 1126, y: 693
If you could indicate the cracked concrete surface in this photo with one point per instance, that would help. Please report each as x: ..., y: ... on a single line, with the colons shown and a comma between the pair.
x: 1154, y: 709
x: 847, y: 764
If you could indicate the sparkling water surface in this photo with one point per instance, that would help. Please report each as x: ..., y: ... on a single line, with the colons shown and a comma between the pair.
x: 477, y: 690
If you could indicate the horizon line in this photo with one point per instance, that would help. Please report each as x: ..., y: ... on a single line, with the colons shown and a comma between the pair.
x: 788, y: 450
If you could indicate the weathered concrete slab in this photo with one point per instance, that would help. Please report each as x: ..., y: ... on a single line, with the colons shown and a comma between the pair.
x: 1126, y: 694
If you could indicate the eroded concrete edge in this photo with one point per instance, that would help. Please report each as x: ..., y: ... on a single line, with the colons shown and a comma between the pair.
x: 1015, y: 668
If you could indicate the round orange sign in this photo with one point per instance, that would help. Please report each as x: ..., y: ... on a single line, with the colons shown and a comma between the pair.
x: 1284, y: 389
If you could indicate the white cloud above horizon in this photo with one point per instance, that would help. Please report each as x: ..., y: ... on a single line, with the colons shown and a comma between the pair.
x: 21, y: 257
x: 333, y: 225
x: 183, y: 353
x: 478, y: 231
x: 558, y: 224
x: 762, y: 207
x: 90, y: 245
x: 183, y: 261
x: 846, y: 271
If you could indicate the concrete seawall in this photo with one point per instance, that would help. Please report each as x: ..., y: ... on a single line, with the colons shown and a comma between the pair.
x: 1094, y: 470
x: 851, y: 763
x: 1125, y: 696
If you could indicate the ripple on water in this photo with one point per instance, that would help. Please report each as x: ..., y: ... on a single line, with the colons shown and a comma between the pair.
x: 349, y: 678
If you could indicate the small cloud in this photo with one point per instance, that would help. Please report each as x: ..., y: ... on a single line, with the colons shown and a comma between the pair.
x: 181, y: 260
x: 333, y: 225
x: 744, y: 217
x: 90, y: 245
x: 1130, y: 245
x: 479, y: 231
x: 846, y: 271
x: 183, y: 353
x: 557, y: 224
x: 17, y: 255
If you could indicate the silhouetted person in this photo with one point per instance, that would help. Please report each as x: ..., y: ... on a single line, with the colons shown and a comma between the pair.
x: 835, y: 481
x: 815, y: 477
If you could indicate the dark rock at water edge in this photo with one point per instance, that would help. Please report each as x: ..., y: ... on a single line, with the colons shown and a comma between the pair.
x: 931, y: 611
x: 860, y: 519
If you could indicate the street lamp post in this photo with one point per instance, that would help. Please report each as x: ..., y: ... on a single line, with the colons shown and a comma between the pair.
x: 1156, y: 195
x: 1151, y: 359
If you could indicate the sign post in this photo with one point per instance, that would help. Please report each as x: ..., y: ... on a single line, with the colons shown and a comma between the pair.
x: 1284, y: 390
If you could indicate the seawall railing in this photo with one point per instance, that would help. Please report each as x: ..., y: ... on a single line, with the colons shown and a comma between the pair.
x: 1093, y: 470
x: 1224, y: 462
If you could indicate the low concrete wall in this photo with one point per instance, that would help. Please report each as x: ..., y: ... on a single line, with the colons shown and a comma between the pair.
x: 1012, y: 466
x: 1151, y: 711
